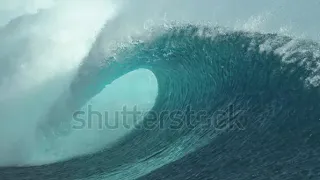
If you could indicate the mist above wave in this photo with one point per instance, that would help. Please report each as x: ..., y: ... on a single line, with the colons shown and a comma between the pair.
x: 43, y: 43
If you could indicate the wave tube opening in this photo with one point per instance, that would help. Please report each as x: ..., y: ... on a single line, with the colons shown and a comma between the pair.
x: 105, y: 118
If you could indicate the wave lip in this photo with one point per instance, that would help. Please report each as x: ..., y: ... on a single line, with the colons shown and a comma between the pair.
x: 225, y: 74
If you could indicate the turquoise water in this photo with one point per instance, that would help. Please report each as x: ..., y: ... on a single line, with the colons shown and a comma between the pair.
x: 222, y: 92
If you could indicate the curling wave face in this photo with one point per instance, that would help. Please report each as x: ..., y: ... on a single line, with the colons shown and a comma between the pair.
x: 238, y: 103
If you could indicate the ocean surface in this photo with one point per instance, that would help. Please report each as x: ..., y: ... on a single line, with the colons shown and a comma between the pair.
x: 171, y: 90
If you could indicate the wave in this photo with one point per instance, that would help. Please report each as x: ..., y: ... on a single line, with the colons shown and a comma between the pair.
x: 237, y: 104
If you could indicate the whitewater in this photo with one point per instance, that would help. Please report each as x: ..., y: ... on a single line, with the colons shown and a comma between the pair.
x: 224, y: 89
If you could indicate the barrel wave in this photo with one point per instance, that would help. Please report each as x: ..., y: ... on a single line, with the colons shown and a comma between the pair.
x: 238, y: 105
